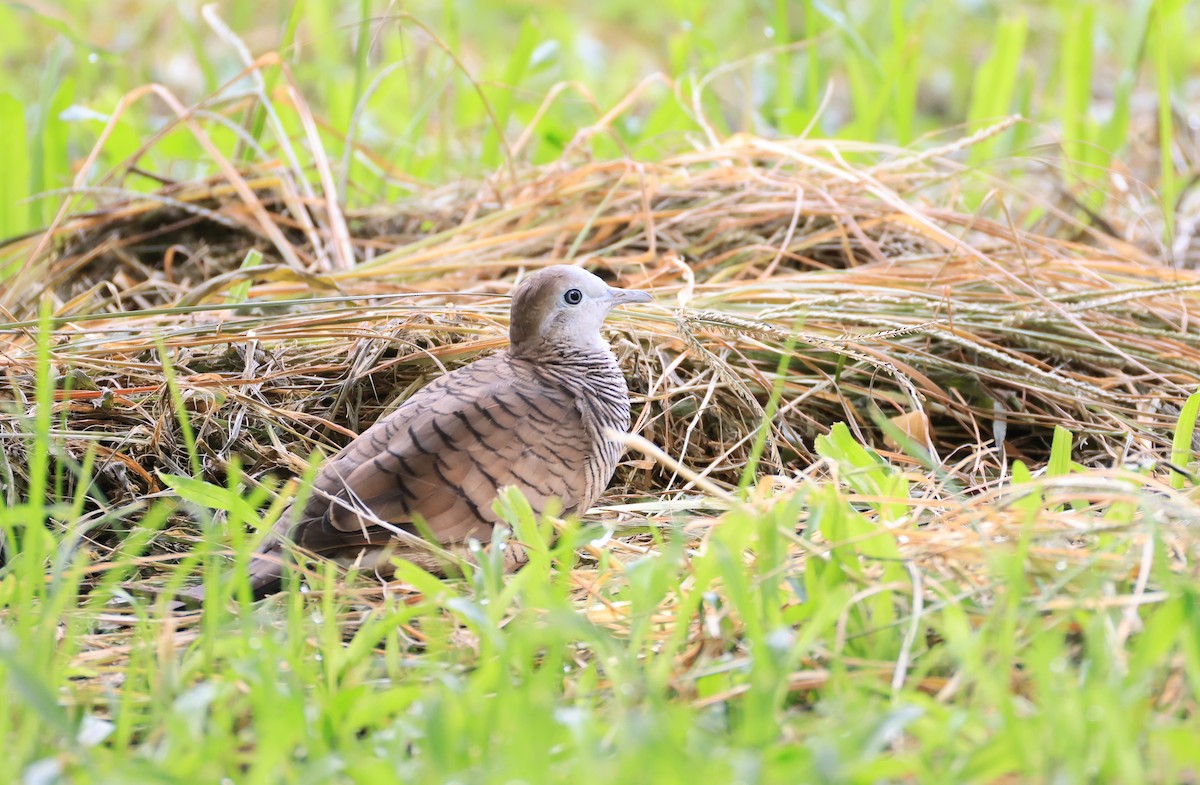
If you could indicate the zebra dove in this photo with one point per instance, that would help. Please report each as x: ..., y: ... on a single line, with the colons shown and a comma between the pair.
x: 534, y: 416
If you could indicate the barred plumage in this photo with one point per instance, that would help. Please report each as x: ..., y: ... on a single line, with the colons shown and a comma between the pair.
x: 534, y: 416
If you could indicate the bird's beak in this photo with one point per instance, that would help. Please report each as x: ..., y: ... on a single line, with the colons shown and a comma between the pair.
x: 626, y: 296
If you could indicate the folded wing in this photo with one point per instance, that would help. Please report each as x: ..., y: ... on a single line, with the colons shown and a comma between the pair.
x: 445, y: 453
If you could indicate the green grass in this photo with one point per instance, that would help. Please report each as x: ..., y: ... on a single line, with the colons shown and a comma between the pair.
x: 866, y: 622
x: 858, y: 661
x: 441, y: 90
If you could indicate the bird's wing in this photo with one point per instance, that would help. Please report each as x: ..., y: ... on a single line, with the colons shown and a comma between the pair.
x: 445, y: 453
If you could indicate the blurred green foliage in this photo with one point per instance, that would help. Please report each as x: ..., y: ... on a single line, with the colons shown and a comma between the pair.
x: 433, y: 91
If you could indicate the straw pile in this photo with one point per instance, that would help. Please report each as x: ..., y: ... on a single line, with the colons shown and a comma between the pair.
x: 885, y: 297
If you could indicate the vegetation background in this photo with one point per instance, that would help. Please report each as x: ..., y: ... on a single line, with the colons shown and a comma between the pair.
x: 929, y: 368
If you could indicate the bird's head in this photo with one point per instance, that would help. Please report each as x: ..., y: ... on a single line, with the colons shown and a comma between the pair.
x: 563, y: 307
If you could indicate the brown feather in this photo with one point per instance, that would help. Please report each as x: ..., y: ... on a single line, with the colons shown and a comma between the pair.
x: 533, y: 417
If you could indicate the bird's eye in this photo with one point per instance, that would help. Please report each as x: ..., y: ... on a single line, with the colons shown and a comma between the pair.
x: 573, y: 297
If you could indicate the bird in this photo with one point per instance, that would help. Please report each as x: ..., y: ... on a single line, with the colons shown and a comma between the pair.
x: 539, y: 416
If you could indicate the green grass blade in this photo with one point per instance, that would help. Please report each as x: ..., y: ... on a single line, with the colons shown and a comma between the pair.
x: 14, y: 163
x: 1182, y: 451
x: 994, y: 88
x: 1077, y: 81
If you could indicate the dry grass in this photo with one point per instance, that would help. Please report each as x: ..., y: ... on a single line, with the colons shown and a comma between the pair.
x: 959, y: 328
x: 895, y: 306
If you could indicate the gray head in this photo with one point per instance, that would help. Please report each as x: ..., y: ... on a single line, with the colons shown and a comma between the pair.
x: 563, y: 306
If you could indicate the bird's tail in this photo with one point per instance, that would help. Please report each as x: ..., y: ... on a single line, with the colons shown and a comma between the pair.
x: 266, y: 570
x: 265, y: 573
